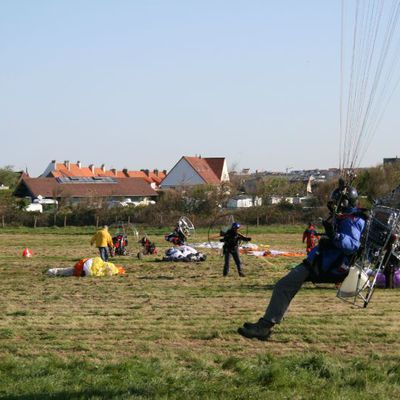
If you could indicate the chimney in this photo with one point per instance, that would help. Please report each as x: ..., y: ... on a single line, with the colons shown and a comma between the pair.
x: 164, y: 171
x: 67, y: 164
x: 114, y: 171
x: 125, y: 171
x: 155, y: 172
x: 53, y: 165
x: 103, y: 167
x: 146, y: 171
x: 79, y: 164
x: 91, y: 167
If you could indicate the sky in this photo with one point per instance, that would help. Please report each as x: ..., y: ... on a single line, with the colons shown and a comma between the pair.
x: 138, y: 84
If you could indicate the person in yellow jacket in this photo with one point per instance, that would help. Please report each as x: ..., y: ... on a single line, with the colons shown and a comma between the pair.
x: 103, y: 241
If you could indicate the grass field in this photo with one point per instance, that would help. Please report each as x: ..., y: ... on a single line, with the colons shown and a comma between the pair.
x: 168, y: 330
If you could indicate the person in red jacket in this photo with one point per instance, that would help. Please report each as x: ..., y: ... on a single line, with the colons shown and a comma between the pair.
x: 311, y: 236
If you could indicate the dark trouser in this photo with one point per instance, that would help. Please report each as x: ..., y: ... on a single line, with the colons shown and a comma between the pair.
x: 103, y: 253
x: 235, y: 254
x: 284, y: 291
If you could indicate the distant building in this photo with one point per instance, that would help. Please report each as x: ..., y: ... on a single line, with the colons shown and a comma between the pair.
x: 191, y: 171
x: 41, y: 204
x: 392, y: 199
x: 244, y: 201
x: 75, y: 190
x: 391, y: 161
x: 68, y: 169
x: 317, y: 175
x: 276, y: 199
x: 295, y: 200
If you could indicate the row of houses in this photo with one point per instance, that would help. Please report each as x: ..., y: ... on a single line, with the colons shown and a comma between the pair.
x: 74, y: 183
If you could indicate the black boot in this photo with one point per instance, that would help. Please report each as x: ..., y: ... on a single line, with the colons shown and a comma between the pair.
x: 261, y: 330
x: 241, y: 273
x: 261, y: 322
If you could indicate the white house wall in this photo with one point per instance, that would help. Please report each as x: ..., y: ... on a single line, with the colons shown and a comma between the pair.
x: 245, y: 203
x: 232, y: 203
x: 240, y: 203
x: 182, y: 174
x: 225, y: 174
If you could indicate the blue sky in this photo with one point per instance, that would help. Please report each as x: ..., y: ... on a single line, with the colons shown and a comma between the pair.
x: 138, y: 84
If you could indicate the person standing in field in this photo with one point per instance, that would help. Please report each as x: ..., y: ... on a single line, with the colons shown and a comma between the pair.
x: 231, y: 239
x: 310, y: 235
x: 103, y: 241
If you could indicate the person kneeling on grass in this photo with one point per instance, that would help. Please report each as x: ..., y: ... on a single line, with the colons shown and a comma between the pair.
x: 327, y: 263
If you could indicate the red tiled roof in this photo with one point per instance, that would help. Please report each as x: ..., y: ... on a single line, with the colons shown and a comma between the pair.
x: 116, y: 174
x: 51, y: 187
x: 73, y: 170
x: 201, y: 166
x: 216, y: 164
x: 152, y: 177
x: 139, y: 174
x: 157, y: 178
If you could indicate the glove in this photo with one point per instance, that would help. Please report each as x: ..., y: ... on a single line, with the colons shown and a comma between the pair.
x: 248, y: 239
x: 324, y: 244
x: 364, y: 213
x: 329, y: 229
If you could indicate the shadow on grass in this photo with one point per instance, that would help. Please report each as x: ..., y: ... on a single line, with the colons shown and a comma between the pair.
x: 308, y: 287
x: 257, y: 287
x: 158, y: 277
x: 84, y: 394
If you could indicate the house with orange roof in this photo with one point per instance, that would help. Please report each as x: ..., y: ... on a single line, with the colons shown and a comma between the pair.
x: 191, y: 171
x: 77, y: 170
x: 97, y: 190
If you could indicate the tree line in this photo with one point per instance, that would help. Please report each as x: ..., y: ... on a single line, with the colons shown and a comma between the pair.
x: 202, y: 204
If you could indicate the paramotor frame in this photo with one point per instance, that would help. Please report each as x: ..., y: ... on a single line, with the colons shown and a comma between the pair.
x: 187, y: 226
x: 381, y: 244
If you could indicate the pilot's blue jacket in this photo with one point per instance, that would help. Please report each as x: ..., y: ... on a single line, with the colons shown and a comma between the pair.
x: 332, y: 261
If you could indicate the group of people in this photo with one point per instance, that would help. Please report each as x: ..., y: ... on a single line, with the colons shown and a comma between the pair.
x: 327, y: 261
x: 231, y: 239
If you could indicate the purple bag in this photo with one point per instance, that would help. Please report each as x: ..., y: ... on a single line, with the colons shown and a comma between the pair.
x: 396, y: 278
x: 381, y: 279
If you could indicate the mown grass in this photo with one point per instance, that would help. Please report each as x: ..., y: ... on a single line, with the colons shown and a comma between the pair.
x: 168, y: 330
x: 87, y: 230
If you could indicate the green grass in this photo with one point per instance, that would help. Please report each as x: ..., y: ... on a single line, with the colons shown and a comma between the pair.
x: 87, y: 230
x: 168, y: 330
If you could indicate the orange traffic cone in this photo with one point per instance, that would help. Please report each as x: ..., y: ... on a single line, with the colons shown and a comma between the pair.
x: 27, y: 252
